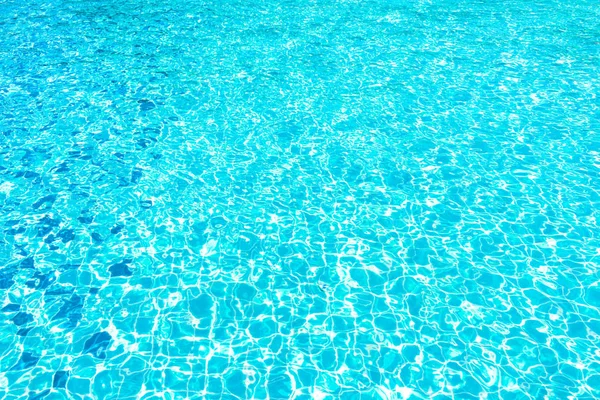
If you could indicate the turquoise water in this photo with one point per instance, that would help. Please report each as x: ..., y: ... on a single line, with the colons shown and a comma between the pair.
x: 309, y: 199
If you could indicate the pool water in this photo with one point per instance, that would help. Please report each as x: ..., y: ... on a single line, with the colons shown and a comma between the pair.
x: 299, y: 199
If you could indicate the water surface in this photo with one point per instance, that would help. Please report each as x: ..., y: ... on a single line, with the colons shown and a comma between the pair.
x: 299, y: 199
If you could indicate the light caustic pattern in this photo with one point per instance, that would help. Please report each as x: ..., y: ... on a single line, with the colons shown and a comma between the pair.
x: 299, y: 199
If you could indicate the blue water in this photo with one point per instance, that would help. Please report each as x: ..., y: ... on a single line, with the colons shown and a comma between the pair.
x: 299, y: 199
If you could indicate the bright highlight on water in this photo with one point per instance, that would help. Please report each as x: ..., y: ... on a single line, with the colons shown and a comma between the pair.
x: 299, y: 199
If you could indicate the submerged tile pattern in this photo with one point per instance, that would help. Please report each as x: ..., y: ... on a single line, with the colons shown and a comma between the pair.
x: 299, y: 199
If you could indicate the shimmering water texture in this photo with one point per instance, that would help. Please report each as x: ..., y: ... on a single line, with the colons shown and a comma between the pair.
x: 299, y: 199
